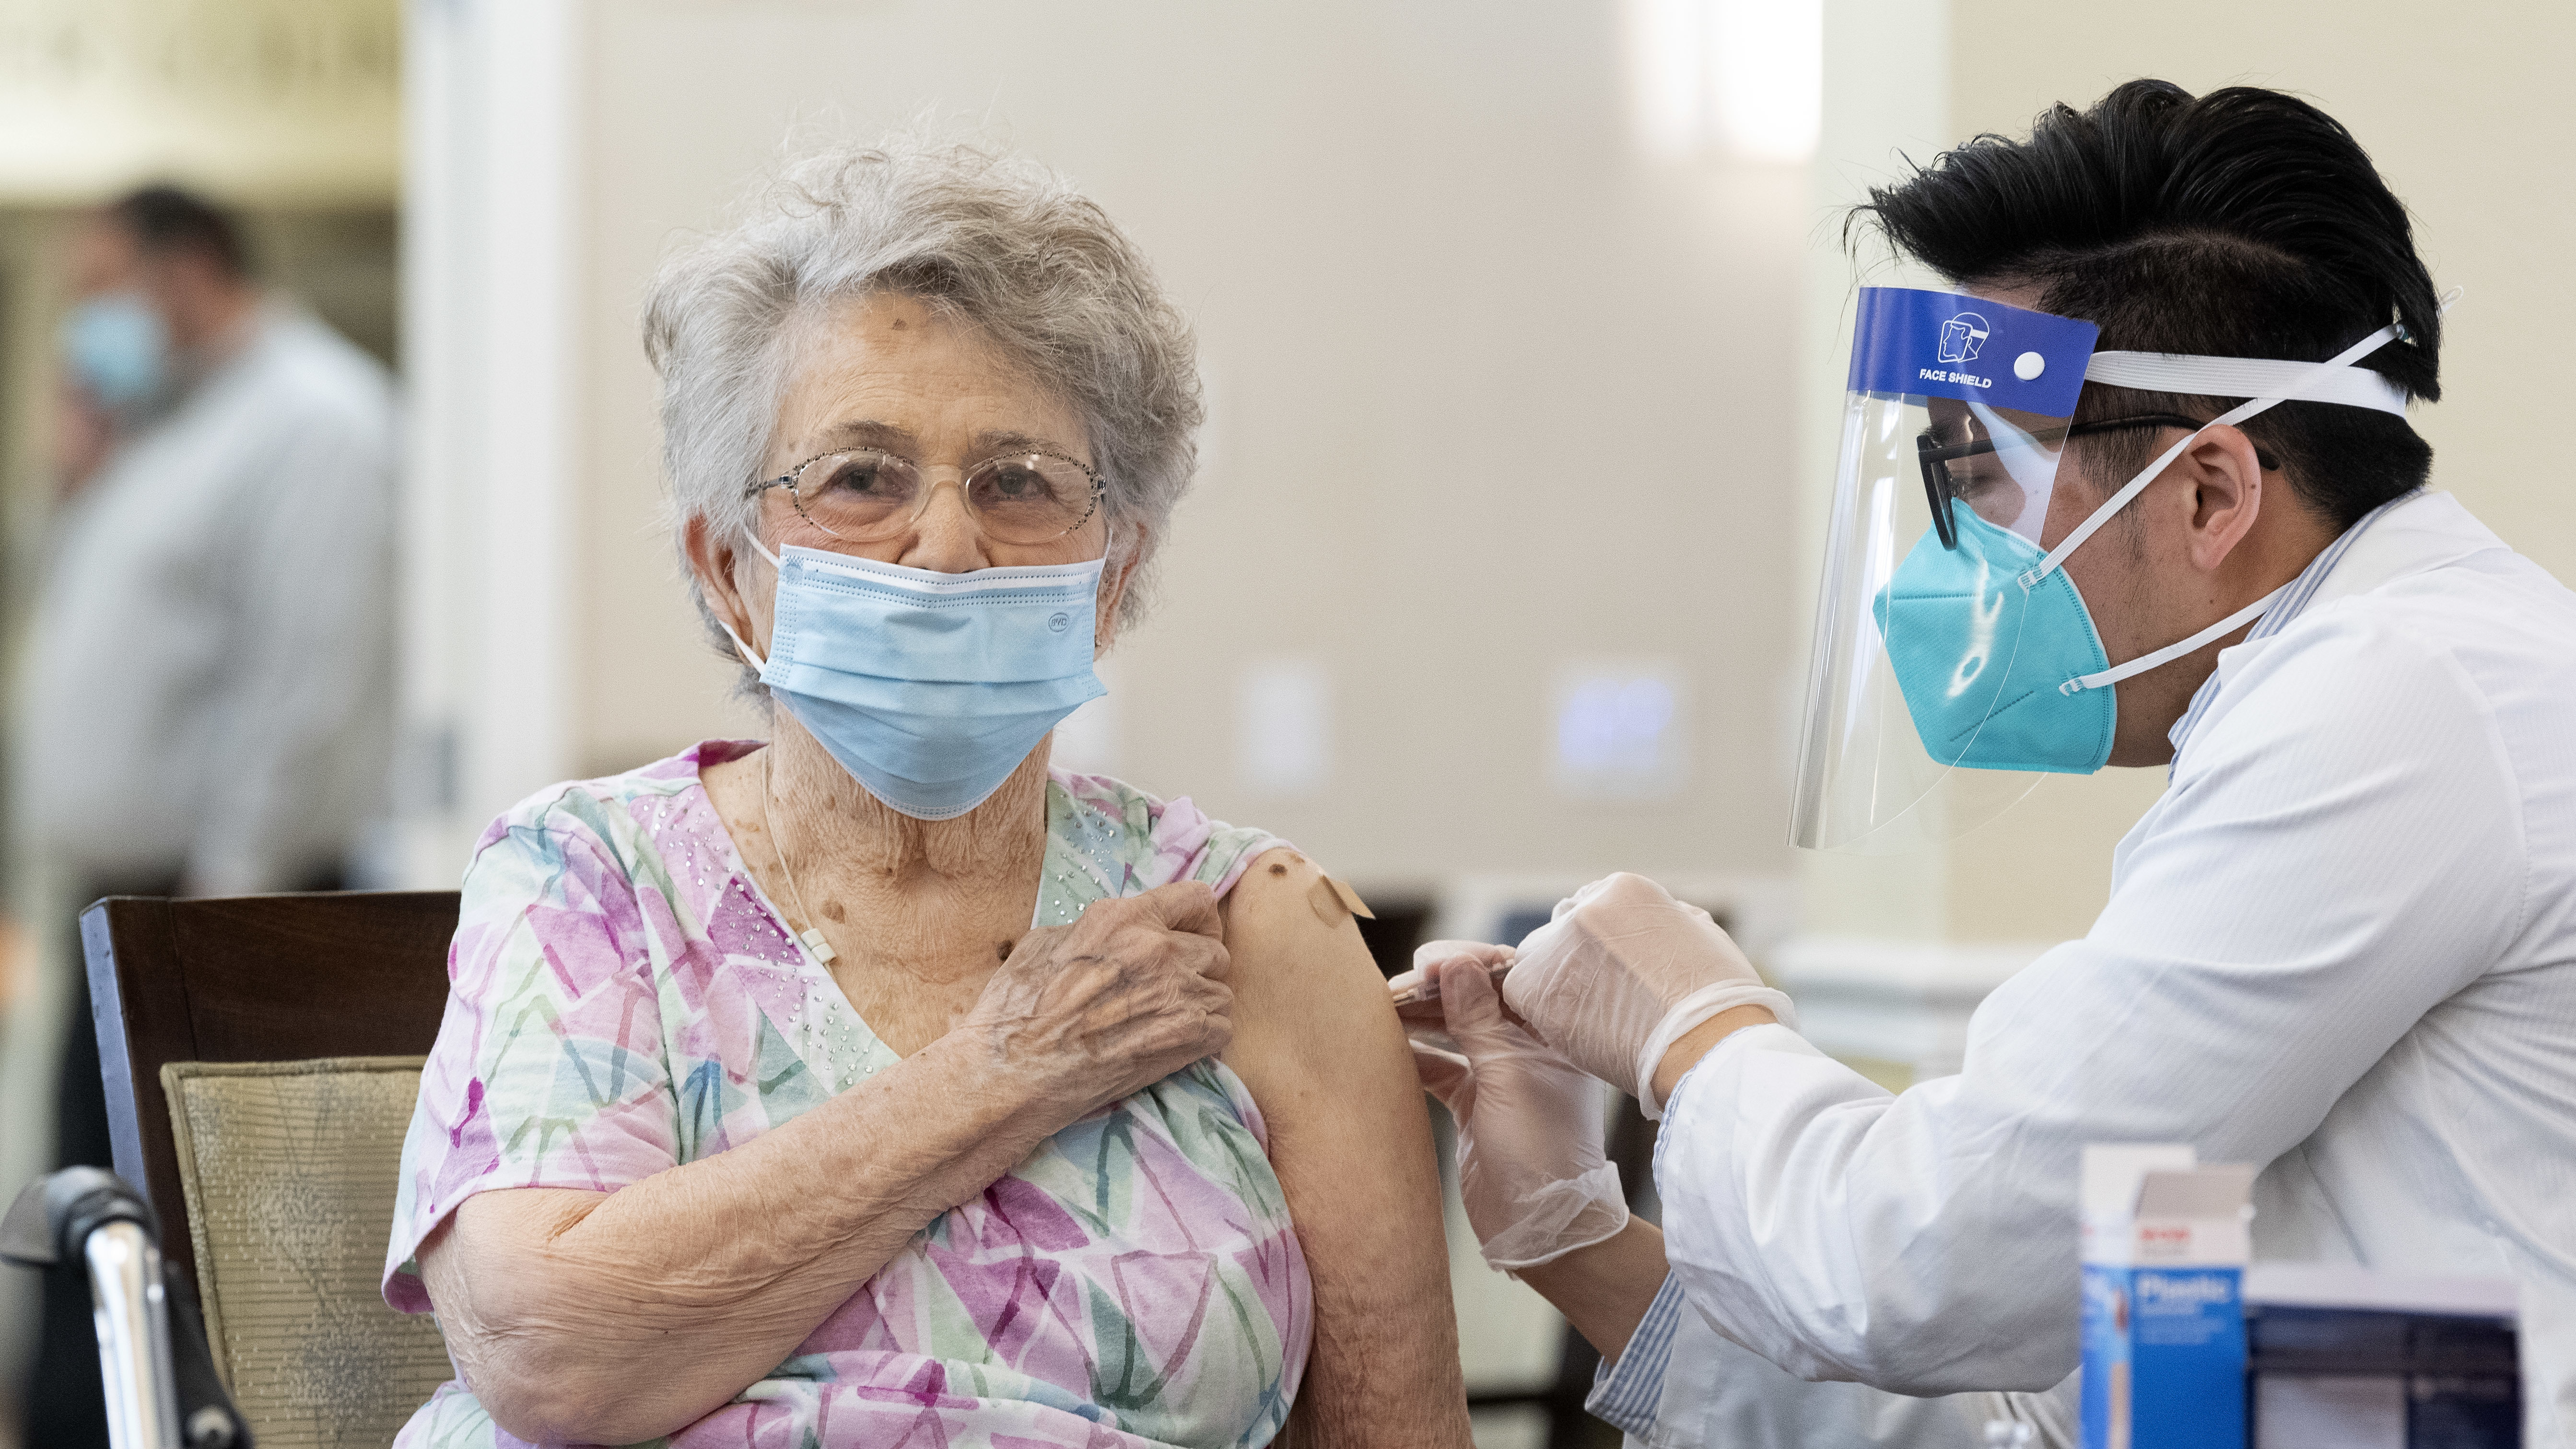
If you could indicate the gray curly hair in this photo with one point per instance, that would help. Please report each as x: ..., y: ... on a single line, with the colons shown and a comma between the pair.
x: 994, y: 240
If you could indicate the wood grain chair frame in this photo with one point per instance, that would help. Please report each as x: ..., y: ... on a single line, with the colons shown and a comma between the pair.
x: 250, y: 979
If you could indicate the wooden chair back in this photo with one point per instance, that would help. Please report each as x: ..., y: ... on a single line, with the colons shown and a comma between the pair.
x: 250, y: 979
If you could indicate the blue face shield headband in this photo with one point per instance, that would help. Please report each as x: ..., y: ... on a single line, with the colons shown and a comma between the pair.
x: 1991, y: 645
x: 929, y: 688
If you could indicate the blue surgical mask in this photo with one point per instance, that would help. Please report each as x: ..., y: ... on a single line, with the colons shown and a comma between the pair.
x: 118, y: 347
x: 929, y: 688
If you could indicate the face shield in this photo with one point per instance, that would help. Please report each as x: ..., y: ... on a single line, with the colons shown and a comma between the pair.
x: 1953, y: 431
x: 1954, y: 664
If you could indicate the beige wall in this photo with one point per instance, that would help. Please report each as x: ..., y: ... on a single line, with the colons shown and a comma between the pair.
x: 2466, y: 117
x: 1410, y: 229
x: 1491, y: 392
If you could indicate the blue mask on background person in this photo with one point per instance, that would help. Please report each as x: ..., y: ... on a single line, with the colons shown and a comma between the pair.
x: 1983, y: 661
x: 118, y: 348
x: 929, y: 688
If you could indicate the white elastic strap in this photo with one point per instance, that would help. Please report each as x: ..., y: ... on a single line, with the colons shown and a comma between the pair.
x: 745, y: 650
x: 2172, y: 652
x: 2356, y: 387
x: 2313, y: 373
x: 1687, y: 1014
x: 749, y: 655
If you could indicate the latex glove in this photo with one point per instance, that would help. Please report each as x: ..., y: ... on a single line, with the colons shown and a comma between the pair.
x: 1417, y: 992
x: 1621, y: 972
x: 1531, y: 1168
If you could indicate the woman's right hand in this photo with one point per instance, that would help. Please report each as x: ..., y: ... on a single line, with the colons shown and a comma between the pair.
x: 1130, y: 993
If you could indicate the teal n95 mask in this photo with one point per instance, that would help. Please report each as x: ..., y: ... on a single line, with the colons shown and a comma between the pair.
x: 1955, y: 664
x: 929, y: 688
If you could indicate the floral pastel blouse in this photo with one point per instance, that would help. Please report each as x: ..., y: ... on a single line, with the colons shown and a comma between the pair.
x: 623, y: 999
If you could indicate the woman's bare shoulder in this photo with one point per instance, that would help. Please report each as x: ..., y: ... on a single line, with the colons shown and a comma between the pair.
x: 1286, y: 913
x: 1303, y: 980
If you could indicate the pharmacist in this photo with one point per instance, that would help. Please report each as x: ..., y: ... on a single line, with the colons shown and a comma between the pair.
x: 2135, y: 484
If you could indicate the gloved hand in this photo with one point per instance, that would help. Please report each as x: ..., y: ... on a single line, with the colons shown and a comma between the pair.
x: 1621, y: 972
x: 1530, y: 1162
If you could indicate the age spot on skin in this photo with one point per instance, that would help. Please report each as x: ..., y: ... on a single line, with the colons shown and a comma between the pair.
x: 832, y: 912
x: 1001, y: 950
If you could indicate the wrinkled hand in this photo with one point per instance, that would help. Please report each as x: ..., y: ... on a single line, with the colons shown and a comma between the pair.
x: 1130, y: 993
x: 1531, y: 1169
x: 1621, y: 972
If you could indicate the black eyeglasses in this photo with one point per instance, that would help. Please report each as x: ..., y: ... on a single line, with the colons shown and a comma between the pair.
x: 1941, y: 488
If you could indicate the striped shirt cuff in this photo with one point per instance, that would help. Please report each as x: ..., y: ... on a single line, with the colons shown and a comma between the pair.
x: 1627, y: 1390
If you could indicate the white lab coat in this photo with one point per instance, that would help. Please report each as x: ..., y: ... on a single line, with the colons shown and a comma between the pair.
x: 1680, y: 1386
x: 2343, y: 945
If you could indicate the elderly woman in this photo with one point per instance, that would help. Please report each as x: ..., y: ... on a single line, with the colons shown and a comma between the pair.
x: 879, y: 1085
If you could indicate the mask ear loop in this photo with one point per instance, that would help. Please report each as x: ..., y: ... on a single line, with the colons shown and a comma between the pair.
x: 1108, y: 550
x: 749, y: 655
x: 2171, y: 652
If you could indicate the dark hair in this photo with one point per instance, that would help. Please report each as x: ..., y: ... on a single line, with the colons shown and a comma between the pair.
x: 2243, y: 223
x: 165, y: 219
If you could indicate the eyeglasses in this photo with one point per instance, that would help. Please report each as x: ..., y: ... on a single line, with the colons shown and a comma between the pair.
x: 1944, y: 485
x: 868, y: 495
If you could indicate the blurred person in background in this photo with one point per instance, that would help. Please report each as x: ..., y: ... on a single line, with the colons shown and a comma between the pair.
x: 207, y: 699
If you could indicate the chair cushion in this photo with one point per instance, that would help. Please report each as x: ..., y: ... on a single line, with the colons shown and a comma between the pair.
x: 289, y: 1171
